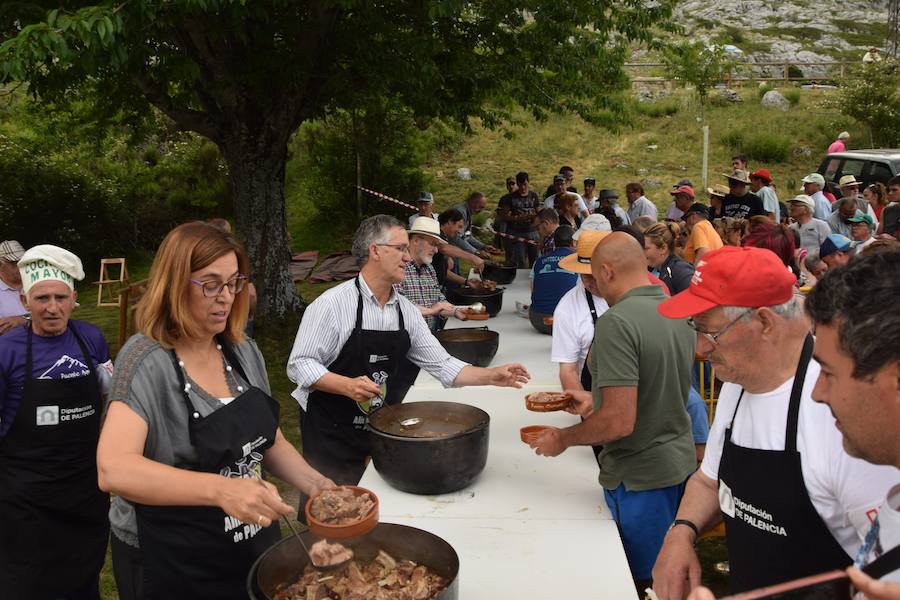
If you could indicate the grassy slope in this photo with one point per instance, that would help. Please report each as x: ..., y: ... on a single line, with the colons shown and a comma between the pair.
x: 540, y: 148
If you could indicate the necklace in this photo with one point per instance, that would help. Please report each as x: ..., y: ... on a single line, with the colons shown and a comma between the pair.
x: 230, y: 378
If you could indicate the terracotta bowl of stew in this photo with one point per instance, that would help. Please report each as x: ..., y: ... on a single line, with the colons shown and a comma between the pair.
x: 548, y: 401
x: 364, y: 525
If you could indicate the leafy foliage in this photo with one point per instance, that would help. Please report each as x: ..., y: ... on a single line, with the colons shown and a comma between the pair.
x: 697, y: 65
x: 872, y: 97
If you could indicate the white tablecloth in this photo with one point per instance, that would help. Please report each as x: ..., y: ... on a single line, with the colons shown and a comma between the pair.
x: 529, y: 526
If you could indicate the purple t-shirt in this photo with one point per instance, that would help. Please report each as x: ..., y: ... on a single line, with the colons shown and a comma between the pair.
x: 57, y: 357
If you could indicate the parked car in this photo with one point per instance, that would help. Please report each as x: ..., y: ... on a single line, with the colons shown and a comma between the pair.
x: 868, y: 166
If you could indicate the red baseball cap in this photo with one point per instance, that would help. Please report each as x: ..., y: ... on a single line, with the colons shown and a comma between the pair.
x: 683, y: 189
x: 762, y: 174
x: 733, y: 276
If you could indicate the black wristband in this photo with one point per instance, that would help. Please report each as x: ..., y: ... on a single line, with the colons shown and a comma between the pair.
x: 687, y: 524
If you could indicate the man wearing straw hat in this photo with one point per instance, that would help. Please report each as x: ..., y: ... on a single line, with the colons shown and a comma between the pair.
x: 54, y: 373
x: 740, y: 203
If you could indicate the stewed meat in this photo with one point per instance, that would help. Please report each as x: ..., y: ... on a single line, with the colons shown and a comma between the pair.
x: 382, y: 578
x: 324, y: 554
x: 341, y: 506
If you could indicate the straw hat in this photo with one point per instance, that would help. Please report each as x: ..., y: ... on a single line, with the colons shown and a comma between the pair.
x: 580, y: 261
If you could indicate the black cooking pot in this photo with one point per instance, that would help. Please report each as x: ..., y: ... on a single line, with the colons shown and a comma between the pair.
x: 445, y: 452
x: 493, y: 301
x: 474, y: 345
x: 502, y: 274
x: 284, y: 562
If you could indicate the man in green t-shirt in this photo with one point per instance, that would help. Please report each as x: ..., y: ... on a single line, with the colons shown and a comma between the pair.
x: 636, y: 408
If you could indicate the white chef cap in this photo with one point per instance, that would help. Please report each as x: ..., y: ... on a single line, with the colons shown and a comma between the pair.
x: 49, y: 263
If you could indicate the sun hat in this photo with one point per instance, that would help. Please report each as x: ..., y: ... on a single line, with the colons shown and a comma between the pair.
x: 718, y: 190
x: 580, y: 261
x: 848, y: 180
x: 427, y: 226
x: 737, y: 175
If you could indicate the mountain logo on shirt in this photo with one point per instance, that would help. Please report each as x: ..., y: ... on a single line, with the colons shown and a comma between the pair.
x: 47, y: 415
x: 726, y: 499
x: 66, y: 367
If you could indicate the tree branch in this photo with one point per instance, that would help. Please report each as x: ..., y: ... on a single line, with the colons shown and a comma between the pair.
x: 193, y: 120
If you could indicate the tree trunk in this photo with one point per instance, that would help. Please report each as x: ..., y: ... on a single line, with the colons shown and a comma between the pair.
x: 256, y: 173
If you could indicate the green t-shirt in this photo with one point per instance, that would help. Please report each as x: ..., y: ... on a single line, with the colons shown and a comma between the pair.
x: 634, y: 345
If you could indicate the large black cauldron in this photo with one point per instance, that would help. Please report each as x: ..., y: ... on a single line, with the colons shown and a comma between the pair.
x: 284, y: 562
x: 445, y: 452
x: 474, y: 345
x: 502, y: 274
x: 492, y: 300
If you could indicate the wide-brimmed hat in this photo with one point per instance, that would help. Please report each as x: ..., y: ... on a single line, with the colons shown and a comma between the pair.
x: 608, y: 194
x: 427, y: 226
x: 580, y: 261
x: 848, y: 180
x: 718, y: 190
x: 737, y: 175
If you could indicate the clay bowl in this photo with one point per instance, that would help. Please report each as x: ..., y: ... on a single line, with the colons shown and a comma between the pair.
x: 562, y: 402
x: 351, y: 530
x: 531, y: 433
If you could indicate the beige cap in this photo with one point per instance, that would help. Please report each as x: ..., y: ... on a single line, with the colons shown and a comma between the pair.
x: 594, y: 222
x: 49, y: 263
x: 804, y: 199
x: 848, y: 180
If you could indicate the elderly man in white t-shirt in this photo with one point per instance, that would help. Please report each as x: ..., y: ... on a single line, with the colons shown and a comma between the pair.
x: 794, y: 502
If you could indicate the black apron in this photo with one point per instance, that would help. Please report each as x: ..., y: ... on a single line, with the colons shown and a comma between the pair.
x: 586, y: 380
x: 54, y: 520
x: 884, y: 564
x: 193, y: 552
x: 774, y: 532
x: 333, y: 427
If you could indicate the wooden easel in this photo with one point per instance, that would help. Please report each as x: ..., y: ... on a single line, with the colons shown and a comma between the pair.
x: 106, y: 282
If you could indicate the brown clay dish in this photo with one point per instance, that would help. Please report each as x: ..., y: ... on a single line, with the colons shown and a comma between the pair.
x: 530, y: 433
x: 548, y: 401
x: 350, y: 530
x: 477, y: 316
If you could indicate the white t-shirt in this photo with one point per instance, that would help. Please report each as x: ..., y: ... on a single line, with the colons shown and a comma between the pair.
x: 673, y: 212
x: 889, y: 532
x: 573, y: 329
x: 642, y: 207
x: 844, y: 490
x: 582, y: 207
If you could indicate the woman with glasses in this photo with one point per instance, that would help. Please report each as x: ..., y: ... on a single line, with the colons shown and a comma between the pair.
x: 189, y: 427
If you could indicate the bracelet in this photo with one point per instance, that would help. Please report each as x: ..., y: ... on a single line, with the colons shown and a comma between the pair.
x: 686, y: 523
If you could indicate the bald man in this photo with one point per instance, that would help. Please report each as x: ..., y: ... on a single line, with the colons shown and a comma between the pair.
x: 636, y: 408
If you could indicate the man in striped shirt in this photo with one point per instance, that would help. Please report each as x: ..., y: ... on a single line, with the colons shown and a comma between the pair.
x: 354, y: 350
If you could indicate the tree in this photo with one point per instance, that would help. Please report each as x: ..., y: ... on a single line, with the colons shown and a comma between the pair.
x: 871, y: 95
x: 246, y: 74
x: 697, y: 65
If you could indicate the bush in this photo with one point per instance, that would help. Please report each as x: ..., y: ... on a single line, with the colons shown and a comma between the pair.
x: 872, y: 96
x: 760, y: 146
x: 661, y: 108
x: 764, y: 89
x: 794, y: 71
x: 792, y: 95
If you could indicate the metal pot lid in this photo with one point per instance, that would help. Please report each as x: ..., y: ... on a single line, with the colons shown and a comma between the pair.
x: 428, y: 420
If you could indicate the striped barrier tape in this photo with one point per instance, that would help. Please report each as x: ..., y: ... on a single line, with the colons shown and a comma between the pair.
x: 388, y: 198
x: 506, y: 235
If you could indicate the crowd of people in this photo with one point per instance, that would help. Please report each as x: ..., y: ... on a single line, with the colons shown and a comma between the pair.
x: 168, y: 450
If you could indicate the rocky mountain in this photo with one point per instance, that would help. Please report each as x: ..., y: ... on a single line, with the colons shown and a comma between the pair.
x: 795, y: 31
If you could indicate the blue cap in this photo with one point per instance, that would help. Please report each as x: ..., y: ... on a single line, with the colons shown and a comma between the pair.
x: 425, y: 197
x: 836, y: 243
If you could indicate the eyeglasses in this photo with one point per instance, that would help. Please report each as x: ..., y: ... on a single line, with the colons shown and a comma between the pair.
x: 713, y: 338
x: 213, y: 287
x: 402, y: 248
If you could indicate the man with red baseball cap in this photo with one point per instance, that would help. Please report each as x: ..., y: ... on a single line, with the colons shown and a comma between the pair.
x: 793, y: 501
x: 760, y: 184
